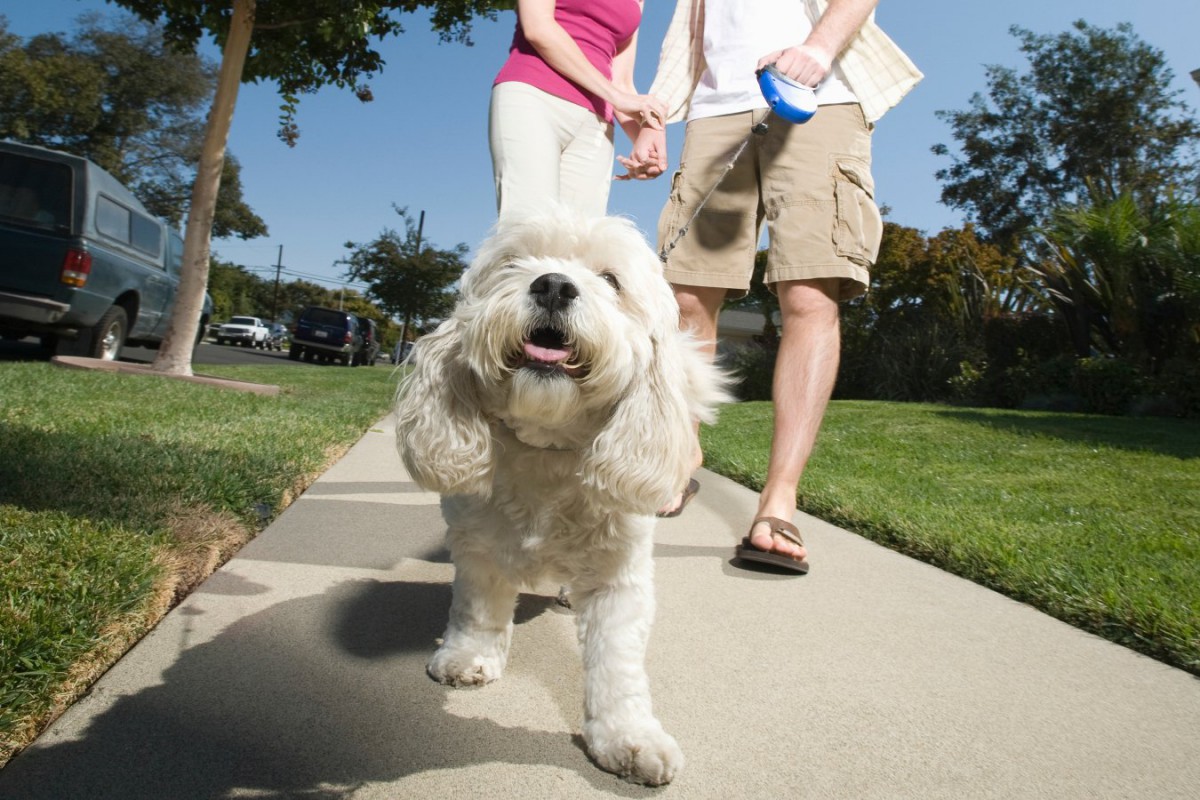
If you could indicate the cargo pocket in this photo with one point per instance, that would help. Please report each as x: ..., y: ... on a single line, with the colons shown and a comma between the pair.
x: 858, y: 227
x: 671, y: 218
x: 676, y: 179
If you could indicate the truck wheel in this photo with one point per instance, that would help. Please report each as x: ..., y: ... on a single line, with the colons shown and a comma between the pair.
x: 108, y: 337
x: 294, y: 353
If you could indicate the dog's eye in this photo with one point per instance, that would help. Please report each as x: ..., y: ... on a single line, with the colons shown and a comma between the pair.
x: 612, y: 280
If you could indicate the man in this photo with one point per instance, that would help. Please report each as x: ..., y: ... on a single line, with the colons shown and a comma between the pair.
x: 810, y: 183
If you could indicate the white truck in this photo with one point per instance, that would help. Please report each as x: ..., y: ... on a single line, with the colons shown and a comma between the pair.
x: 246, y: 331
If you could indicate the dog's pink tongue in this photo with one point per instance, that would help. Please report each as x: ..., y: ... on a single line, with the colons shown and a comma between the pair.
x: 546, y: 355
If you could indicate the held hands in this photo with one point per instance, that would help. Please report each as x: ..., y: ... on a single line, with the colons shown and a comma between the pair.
x: 806, y: 64
x: 648, y: 159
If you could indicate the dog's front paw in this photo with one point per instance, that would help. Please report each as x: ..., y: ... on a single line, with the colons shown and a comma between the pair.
x: 458, y: 667
x: 647, y: 754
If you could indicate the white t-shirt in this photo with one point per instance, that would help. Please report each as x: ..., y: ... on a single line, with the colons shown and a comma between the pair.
x: 737, y: 33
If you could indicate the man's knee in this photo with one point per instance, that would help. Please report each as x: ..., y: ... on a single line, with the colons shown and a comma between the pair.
x: 809, y: 298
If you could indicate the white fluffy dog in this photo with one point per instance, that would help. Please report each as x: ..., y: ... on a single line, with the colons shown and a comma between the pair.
x: 553, y: 411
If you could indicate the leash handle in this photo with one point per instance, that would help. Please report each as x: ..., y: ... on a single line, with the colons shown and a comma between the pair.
x: 790, y: 100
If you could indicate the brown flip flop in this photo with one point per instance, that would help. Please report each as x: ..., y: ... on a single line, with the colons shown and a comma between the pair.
x: 689, y: 492
x: 749, y: 552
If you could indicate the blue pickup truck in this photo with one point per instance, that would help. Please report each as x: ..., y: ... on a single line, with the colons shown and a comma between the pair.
x: 83, y: 265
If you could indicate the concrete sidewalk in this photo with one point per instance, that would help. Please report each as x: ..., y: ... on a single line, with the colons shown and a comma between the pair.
x: 297, y: 671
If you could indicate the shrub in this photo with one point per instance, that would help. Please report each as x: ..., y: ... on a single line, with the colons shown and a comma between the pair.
x: 1175, y: 390
x: 1107, y: 385
x: 911, y: 360
x: 753, y: 367
x: 1042, y: 385
x: 1010, y: 339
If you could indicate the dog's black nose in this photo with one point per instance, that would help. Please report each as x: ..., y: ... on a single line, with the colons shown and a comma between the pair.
x: 553, y: 291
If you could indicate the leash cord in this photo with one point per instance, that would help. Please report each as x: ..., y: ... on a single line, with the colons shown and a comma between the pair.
x: 757, y: 130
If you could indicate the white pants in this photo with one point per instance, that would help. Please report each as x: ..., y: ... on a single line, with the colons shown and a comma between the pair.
x: 546, y: 150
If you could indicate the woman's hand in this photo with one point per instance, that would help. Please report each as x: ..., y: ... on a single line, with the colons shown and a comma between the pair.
x: 644, y: 109
x: 648, y: 159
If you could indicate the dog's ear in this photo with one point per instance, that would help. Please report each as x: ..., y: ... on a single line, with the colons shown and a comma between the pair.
x: 644, y: 455
x: 443, y: 438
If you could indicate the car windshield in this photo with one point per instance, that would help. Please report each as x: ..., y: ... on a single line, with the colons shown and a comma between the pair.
x: 242, y: 321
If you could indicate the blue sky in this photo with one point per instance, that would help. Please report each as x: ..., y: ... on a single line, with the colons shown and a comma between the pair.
x: 423, y: 142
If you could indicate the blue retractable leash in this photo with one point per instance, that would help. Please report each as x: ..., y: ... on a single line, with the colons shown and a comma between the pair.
x: 790, y: 101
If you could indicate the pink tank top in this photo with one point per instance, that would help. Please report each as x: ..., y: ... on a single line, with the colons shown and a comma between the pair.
x: 597, y: 26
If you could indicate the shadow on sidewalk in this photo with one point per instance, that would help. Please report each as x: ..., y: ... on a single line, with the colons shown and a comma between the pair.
x: 312, y: 697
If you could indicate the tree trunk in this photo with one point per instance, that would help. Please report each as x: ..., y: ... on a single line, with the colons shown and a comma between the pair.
x: 175, y: 354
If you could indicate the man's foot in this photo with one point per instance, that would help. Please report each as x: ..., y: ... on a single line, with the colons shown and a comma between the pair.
x: 676, y: 506
x: 774, y: 541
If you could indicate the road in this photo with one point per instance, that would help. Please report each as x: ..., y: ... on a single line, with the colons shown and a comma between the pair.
x: 206, y: 353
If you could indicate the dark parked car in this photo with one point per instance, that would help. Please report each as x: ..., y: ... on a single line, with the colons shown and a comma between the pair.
x: 368, y: 349
x: 83, y: 264
x: 326, y: 334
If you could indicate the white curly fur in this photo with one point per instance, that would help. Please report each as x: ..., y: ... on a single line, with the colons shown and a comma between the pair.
x: 551, y: 472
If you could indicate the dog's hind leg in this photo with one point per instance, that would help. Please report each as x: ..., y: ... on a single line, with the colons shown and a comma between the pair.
x: 475, y: 646
x: 620, y: 728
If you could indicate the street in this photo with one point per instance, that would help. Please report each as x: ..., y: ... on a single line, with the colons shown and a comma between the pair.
x: 206, y: 353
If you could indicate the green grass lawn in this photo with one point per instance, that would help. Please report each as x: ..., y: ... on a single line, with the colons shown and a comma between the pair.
x: 118, y: 493
x: 1095, y: 520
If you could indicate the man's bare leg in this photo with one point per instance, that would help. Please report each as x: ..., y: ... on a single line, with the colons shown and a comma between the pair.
x: 805, y: 370
x: 699, y: 309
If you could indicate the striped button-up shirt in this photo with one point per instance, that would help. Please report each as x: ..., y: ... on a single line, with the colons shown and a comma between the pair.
x: 874, y: 67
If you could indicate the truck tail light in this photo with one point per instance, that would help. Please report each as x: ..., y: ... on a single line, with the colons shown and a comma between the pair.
x: 349, y: 339
x: 76, y: 267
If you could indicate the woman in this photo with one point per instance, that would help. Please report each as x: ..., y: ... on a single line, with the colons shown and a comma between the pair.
x: 569, y: 74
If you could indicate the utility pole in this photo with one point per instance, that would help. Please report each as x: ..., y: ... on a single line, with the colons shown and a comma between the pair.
x: 275, y: 298
x: 416, y: 258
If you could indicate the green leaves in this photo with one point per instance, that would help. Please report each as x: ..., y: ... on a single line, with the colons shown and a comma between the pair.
x: 1124, y: 277
x: 304, y: 45
x: 1092, y: 117
x: 409, y: 279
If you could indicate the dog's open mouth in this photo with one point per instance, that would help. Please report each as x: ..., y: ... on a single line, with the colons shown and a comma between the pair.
x: 547, y: 351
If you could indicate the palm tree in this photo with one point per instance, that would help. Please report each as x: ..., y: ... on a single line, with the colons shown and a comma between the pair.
x: 1125, y: 279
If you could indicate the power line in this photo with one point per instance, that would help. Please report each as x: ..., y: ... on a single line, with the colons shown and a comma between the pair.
x: 308, y: 275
